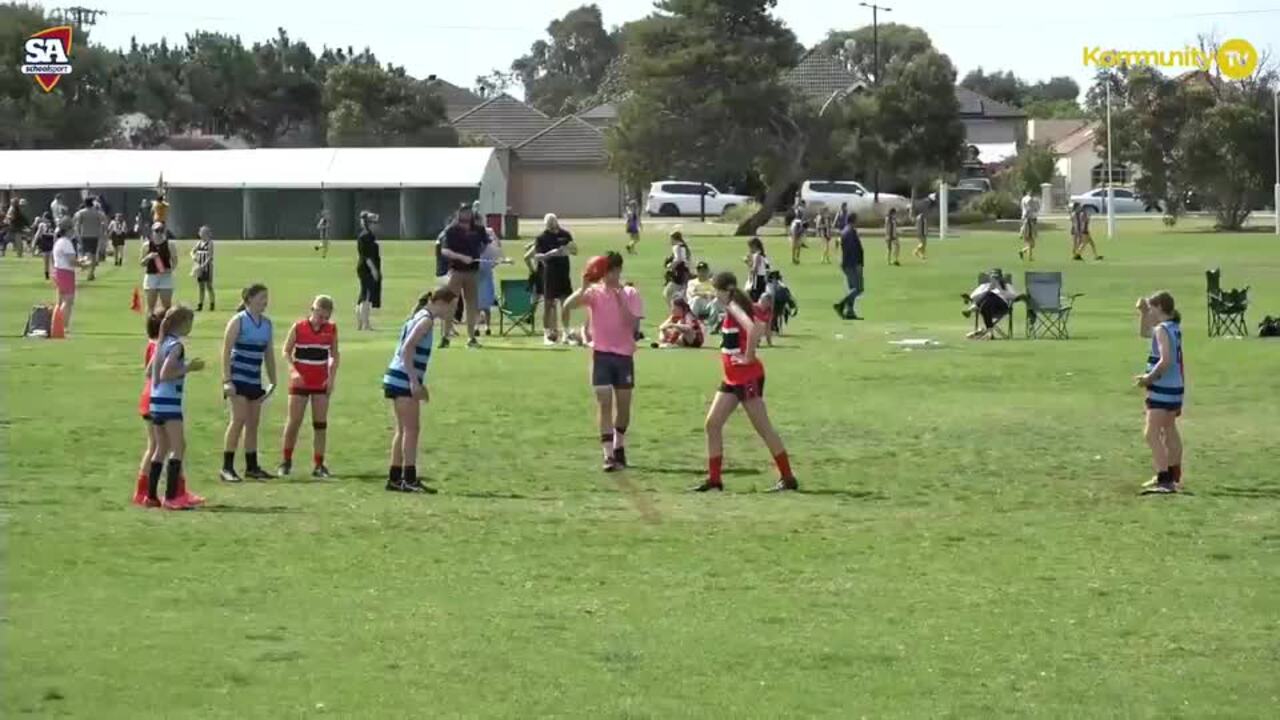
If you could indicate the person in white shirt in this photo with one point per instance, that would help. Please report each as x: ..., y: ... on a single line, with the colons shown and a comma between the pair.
x: 65, y: 258
x: 796, y: 232
x: 992, y: 300
x: 1030, y: 214
x: 702, y: 298
x: 90, y: 227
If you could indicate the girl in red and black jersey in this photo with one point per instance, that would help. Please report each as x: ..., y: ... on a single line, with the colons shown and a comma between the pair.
x: 311, y: 349
x: 743, y: 385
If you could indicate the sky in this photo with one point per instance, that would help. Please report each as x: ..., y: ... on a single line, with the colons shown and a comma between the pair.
x: 458, y: 42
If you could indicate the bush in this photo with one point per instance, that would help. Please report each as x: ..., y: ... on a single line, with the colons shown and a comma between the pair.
x: 997, y: 205
x: 739, y: 213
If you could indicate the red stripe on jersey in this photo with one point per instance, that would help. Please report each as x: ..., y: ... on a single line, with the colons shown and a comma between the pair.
x: 144, y: 401
x: 732, y: 339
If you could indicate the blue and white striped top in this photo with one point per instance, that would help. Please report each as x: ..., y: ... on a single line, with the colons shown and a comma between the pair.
x: 395, y: 377
x: 166, y: 397
x: 1170, y: 386
x: 251, y: 346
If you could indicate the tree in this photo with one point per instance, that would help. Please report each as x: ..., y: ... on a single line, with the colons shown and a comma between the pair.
x: 559, y: 74
x: 493, y: 84
x: 1034, y: 166
x: 1052, y: 98
x: 78, y: 113
x: 917, y: 118
x: 375, y: 106
x: 897, y: 45
x: 706, y: 97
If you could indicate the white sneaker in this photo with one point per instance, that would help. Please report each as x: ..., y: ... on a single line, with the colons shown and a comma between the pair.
x: 546, y: 340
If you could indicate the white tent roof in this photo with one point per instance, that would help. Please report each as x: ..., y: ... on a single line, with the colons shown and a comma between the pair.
x: 283, y: 168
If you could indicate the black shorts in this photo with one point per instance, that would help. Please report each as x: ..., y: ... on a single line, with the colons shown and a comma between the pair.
x: 307, y: 392
x: 758, y: 287
x: 44, y: 244
x: 370, y: 289
x: 745, y: 391
x: 117, y: 241
x: 89, y: 245
x: 160, y: 420
x: 612, y: 370
x: 556, y: 285
x: 252, y: 392
x: 391, y: 393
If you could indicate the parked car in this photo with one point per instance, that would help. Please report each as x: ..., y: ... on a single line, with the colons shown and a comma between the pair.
x: 981, y: 184
x: 958, y: 196
x: 674, y: 198
x: 818, y: 194
x: 1126, y: 201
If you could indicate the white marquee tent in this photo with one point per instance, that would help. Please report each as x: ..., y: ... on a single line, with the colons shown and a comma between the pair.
x: 271, y: 192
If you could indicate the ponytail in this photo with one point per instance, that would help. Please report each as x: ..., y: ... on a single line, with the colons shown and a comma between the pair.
x: 177, y: 321
x: 444, y: 295
x: 248, y: 293
x: 1163, y: 300
x: 728, y: 282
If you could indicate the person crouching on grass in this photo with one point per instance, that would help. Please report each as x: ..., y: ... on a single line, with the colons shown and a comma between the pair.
x: 246, y: 347
x: 743, y: 385
x: 168, y: 373
x: 1165, y: 382
x: 404, y: 384
x: 616, y: 309
x: 682, y: 329
x: 311, y: 349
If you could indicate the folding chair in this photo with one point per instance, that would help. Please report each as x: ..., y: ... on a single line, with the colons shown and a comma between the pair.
x: 1226, y: 307
x: 1048, y: 308
x: 997, y: 331
x: 516, y: 307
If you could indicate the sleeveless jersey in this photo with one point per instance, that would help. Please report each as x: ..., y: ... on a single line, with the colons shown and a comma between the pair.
x: 732, y: 344
x: 1168, y: 388
x: 250, y: 348
x: 165, y: 402
x: 312, y: 351
x: 396, y: 376
x: 144, y: 400
x: 164, y: 262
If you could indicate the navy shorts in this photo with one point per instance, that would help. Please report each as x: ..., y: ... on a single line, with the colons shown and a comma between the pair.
x: 613, y: 370
x: 1159, y: 405
x: 160, y: 420
x: 745, y: 391
x: 252, y: 392
x: 391, y: 393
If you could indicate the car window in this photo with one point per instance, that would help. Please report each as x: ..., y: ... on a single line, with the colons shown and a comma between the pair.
x: 838, y: 188
x: 1122, y: 194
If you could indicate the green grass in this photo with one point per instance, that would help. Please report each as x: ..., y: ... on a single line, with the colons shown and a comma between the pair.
x: 970, y: 543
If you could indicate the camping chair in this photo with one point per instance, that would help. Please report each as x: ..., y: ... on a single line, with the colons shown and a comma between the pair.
x: 1048, y: 309
x: 516, y: 307
x: 1002, y: 330
x: 1226, y: 307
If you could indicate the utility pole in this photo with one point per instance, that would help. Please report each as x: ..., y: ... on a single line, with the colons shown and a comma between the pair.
x: 80, y: 17
x: 875, y: 54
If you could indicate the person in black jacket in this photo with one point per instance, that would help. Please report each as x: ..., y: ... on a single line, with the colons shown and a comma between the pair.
x: 368, y: 270
x: 851, y: 261
x: 464, y: 242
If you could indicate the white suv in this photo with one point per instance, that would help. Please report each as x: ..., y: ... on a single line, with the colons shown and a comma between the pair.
x: 679, y: 197
x: 818, y: 194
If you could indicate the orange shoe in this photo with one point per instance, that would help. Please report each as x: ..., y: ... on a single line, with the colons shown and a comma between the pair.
x: 149, y: 503
x: 178, y: 503
x: 140, y: 491
x: 189, y: 497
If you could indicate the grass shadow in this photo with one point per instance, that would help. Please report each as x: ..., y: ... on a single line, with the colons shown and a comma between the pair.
x: 690, y: 471
x: 1259, y: 493
x: 248, y: 509
x: 849, y: 494
x: 491, y: 495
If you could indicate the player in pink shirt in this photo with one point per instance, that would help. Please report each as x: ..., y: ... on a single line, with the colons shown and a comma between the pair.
x: 615, y: 311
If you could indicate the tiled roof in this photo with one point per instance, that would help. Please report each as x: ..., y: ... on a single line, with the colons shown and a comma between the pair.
x: 1072, y: 142
x: 975, y: 105
x: 819, y: 74
x: 457, y: 100
x: 603, y: 111
x: 502, y: 118
x: 570, y: 141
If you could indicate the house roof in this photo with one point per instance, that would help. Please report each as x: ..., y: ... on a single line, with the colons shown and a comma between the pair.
x: 819, y: 75
x: 1051, y: 130
x: 1075, y: 140
x: 457, y: 100
x: 977, y: 105
x: 603, y: 111
x: 569, y: 141
x: 503, y: 119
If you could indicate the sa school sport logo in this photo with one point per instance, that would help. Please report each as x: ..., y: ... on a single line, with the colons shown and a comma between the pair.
x: 48, y: 56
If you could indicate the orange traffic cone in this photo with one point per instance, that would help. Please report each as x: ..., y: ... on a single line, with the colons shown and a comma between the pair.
x: 136, y: 304
x: 58, y: 330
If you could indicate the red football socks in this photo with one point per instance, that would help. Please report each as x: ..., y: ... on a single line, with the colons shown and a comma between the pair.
x: 319, y: 458
x: 288, y: 455
x: 714, y: 467
x: 784, y: 464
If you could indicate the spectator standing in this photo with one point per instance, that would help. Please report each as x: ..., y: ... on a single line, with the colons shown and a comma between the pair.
x: 851, y: 263
x: 368, y: 270
x: 90, y: 227
x: 464, y: 243
x: 551, y: 251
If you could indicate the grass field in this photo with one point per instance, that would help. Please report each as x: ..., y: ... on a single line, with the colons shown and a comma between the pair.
x: 969, y: 543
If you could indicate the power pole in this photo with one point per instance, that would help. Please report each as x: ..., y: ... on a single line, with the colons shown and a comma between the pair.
x: 78, y: 16
x: 875, y: 52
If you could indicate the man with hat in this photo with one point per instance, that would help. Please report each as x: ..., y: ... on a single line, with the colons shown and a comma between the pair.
x: 464, y: 241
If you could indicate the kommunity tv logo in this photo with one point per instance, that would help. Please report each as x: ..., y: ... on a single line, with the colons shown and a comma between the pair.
x: 1236, y: 58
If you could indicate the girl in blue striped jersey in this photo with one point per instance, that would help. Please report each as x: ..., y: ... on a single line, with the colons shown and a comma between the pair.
x: 168, y: 373
x: 404, y: 384
x: 1165, y: 382
x: 247, y: 346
